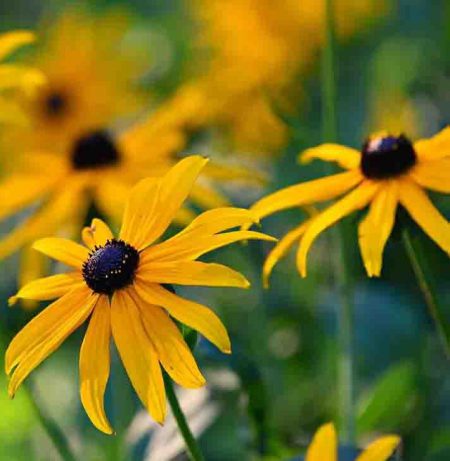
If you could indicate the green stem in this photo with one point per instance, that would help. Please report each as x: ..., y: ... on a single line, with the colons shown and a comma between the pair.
x: 51, y: 428
x: 345, y: 311
x: 424, y: 278
x: 192, y: 446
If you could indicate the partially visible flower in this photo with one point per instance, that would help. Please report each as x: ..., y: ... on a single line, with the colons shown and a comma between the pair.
x: 15, y: 76
x: 124, y: 285
x: 256, y: 50
x: 389, y: 171
x: 324, y: 446
x: 92, y: 74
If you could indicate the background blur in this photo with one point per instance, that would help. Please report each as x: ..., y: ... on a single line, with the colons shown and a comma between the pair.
x: 266, y: 400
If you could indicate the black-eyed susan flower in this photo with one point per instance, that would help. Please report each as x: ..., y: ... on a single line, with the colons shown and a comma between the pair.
x: 387, y: 172
x: 92, y: 72
x: 14, y: 76
x: 121, y: 284
x: 324, y: 446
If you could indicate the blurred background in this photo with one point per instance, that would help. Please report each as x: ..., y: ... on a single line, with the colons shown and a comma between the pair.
x: 242, y: 79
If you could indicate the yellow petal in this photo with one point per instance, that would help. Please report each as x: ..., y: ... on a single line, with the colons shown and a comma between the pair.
x: 25, y: 78
x: 95, y: 365
x: 173, y: 352
x: 97, y: 234
x: 10, y: 41
x: 434, y: 174
x: 281, y: 249
x: 354, y: 200
x: 66, y: 251
x: 206, y: 196
x: 154, y: 203
x: 192, y: 314
x: 434, y: 148
x: 376, y: 227
x: 50, y: 216
x: 45, y: 333
x: 345, y: 157
x: 47, y: 288
x: 191, y: 248
x: 307, y: 193
x: 427, y: 216
x: 381, y: 449
x: 138, y: 354
x: 222, y: 172
x: 20, y: 190
x: 324, y: 445
x: 191, y: 273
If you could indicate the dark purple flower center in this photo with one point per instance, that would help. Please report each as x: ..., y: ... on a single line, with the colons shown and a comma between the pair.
x: 111, y: 267
x: 55, y: 104
x: 387, y: 157
x: 94, y: 150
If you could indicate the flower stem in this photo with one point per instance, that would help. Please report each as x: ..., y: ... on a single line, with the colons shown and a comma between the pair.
x: 345, y: 309
x: 424, y: 278
x: 192, y: 446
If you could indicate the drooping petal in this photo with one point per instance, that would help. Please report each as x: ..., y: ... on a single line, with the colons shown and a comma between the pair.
x: 95, y: 365
x: 324, y: 445
x: 433, y: 175
x: 307, y: 193
x: 153, y: 204
x: 281, y: 249
x: 376, y: 227
x: 381, y: 449
x: 192, y: 314
x: 63, y: 250
x: 355, y: 200
x: 138, y: 354
x: 435, y: 147
x: 98, y: 233
x: 45, y: 333
x: 191, y: 273
x: 173, y: 352
x: 346, y: 157
x: 426, y: 215
x: 47, y: 288
x: 10, y: 41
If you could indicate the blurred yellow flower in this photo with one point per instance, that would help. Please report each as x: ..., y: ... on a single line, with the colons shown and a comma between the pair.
x: 91, y: 79
x: 389, y: 170
x: 324, y: 446
x: 255, y: 50
x: 15, y: 76
x: 122, y: 284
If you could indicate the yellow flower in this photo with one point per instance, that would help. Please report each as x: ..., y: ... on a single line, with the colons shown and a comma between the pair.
x: 16, y: 77
x: 91, y: 79
x: 122, y: 284
x: 389, y: 170
x: 324, y: 446
x: 257, y: 51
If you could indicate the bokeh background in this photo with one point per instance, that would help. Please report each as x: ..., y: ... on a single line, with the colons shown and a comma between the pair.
x: 267, y: 398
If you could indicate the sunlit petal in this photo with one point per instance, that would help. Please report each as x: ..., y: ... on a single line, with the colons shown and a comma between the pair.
x: 63, y: 250
x: 381, y: 449
x: 345, y: 157
x: 324, y: 445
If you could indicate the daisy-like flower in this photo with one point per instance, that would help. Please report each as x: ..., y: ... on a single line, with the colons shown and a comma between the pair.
x: 92, y: 70
x: 122, y: 285
x: 16, y: 77
x: 387, y: 172
x: 324, y: 446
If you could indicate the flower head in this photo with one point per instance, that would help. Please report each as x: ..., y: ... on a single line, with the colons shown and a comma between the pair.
x: 324, y: 446
x: 121, y: 284
x: 389, y: 171
x: 91, y: 79
x: 16, y: 77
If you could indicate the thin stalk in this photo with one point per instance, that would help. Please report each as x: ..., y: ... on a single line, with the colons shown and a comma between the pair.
x: 52, y: 430
x: 424, y: 278
x: 192, y: 446
x: 345, y: 309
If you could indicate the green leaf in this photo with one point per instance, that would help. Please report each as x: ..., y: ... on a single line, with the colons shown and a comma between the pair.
x: 390, y: 401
